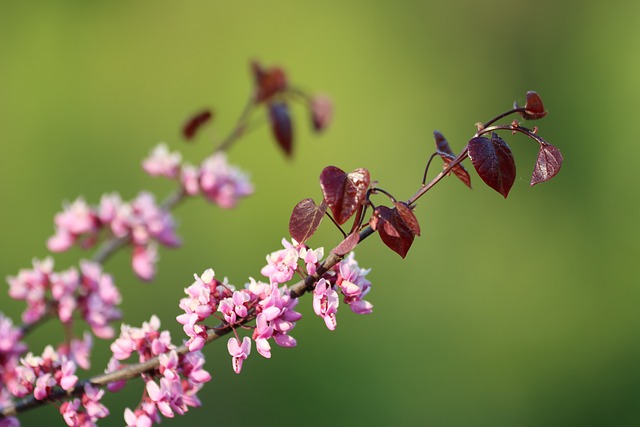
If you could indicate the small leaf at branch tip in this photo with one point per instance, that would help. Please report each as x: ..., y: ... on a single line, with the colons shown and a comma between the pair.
x: 268, y: 82
x: 195, y: 123
x: 533, y: 109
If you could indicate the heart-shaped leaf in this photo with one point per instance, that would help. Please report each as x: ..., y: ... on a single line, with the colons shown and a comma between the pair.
x: 347, y: 244
x: 344, y: 193
x: 305, y: 219
x: 393, y: 230
x: 281, y: 126
x: 446, y: 154
x: 494, y: 162
x: 548, y: 164
x: 193, y: 125
x: 408, y: 217
x: 533, y: 109
x: 268, y: 81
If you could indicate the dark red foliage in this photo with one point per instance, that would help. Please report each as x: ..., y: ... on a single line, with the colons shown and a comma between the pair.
x: 281, y: 126
x: 347, y: 244
x: 548, y: 164
x: 533, y: 109
x: 344, y: 193
x: 393, y: 230
x: 408, y: 217
x: 444, y: 151
x: 494, y: 162
x: 268, y: 81
x: 195, y: 123
x: 305, y: 219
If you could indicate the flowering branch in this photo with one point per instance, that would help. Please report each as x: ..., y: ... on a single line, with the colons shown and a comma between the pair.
x: 173, y: 374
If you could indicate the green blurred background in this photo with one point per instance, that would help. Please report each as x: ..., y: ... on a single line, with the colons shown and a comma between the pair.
x: 521, y: 312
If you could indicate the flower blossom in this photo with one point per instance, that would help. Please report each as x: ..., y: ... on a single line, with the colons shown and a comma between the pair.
x: 40, y: 374
x: 84, y: 412
x: 161, y: 162
x: 221, y: 183
x: 76, y: 220
x: 181, y: 376
x: 89, y: 292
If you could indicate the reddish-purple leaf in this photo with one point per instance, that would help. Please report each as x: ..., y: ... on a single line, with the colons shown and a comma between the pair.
x: 458, y: 169
x: 533, y: 109
x: 344, y: 193
x: 193, y: 125
x: 281, y: 126
x: 444, y: 151
x: 441, y: 143
x: 268, y: 81
x: 305, y: 219
x: 548, y: 164
x: 494, y: 162
x: 347, y: 244
x: 408, y: 217
x: 393, y: 230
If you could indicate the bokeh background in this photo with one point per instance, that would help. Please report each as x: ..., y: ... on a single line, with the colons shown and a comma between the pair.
x: 522, y: 312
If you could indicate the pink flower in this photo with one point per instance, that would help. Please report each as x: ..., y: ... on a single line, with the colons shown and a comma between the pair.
x: 311, y: 259
x: 75, y: 220
x: 91, y: 402
x: 192, y: 368
x: 167, y: 396
x: 86, y: 411
x: 353, y: 284
x: 144, y: 261
x: 238, y: 352
x: 282, y: 264
x: 221, y: 183
x: 139, y: 418
x: 161, y: 162
x: 67, y: 379
x: 31, y: 286
x: 325, y: 303
x: 190, y: 177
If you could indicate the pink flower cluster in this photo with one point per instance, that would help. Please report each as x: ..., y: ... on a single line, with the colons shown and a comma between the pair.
x: 84, y: 412
x: 141, y: 220
x: 88, y: 291
x: 219, y: 182
x: 169, y: 390
x: 269, y: 303
x: 271, y: 306
x: 350, y: 280
x: 11, y: 348
x: 40, y: 374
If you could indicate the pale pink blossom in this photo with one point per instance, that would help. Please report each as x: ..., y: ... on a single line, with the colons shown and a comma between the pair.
x: 162, y: 162
x: 325, y: 303
x: 221, y: 183
x: 239, y: 352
